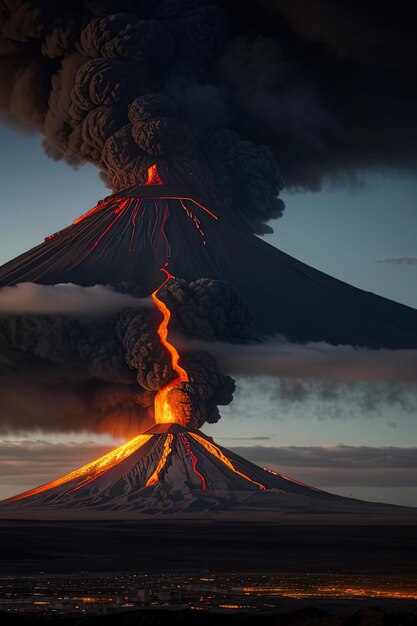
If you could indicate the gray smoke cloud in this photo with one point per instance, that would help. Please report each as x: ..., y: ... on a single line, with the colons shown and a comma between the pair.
x: 65, y: 299
x: 217, y: 95
x: 333, y: 381
x: 98, y: 366
x: 319, y: 361
x: 75, y: 358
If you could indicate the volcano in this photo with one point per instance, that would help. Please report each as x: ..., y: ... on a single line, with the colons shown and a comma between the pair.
x: 174, y: 471
x: 128, y: 236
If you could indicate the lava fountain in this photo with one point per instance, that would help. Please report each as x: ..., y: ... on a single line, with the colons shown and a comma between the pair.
x: 167, y: 409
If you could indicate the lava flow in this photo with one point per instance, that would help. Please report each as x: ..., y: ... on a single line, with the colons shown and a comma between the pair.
x: 215, y: 451
x: 156, y: 204
x: 165, y: 412
x: 91, y: 470
x: 167, y: 449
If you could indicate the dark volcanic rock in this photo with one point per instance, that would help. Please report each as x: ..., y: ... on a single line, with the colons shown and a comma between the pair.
x: 284, y: 295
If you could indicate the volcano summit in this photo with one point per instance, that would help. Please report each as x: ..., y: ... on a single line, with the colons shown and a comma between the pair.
x: 128, y: 236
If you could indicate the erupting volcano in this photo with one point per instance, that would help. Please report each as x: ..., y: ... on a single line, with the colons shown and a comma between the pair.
x: 175, y: 469
x: 128, y: 236
x: 173, y: 101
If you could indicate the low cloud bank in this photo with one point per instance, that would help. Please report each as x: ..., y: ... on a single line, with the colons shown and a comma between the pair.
x: 65, y: 299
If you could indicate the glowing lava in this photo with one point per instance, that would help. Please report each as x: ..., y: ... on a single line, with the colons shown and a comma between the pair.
x: 154, y: 205
x: 153, y: 176
x: 215, y: 451
x: 164, y: 411
x: 162, y: 461
x: 94, y: 469
x: 193, y: 461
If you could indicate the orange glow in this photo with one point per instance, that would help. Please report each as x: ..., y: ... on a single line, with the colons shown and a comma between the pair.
x: 162, y: 461
x: 215, y: 451
x: 291, y: 480
x: 333, y: 591
x: 164, y: 412
x: 92, y: 470
x: 213, y: 215
x: 153, y: 179
x: 98, y: 207
x: 153, y: 176
x: 360, y: 592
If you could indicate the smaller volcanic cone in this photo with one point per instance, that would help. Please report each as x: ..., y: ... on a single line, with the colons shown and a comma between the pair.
x: 171, y: 470
x: 167, y: 467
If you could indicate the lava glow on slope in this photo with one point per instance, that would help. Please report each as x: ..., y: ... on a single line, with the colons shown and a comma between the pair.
x: 161, y: 204
x: 193, y: 461
x: 91, y: 470
x: 154, y: 478
x: 164, y: 411
x: 215, y: 451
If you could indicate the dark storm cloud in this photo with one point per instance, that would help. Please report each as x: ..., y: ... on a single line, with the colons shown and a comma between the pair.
x: 370, y: 32
x: 320, y: 399
x: 213, y: 92
x: 334, y: 90
x: 333, y: 381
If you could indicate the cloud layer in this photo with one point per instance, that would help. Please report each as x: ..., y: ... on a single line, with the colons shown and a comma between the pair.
x: 65, y: 299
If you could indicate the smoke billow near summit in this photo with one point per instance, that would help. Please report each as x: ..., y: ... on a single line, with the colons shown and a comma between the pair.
x: 187, y: 111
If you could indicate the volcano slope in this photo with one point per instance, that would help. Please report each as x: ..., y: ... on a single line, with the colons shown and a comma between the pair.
x: 129, y: 236
x: 174, y: 472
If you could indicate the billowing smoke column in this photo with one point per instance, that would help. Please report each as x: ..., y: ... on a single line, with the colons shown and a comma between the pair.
x: 183, y: 95
x: 101, y: 374
x: 200, y: 85
x: 112, y: 83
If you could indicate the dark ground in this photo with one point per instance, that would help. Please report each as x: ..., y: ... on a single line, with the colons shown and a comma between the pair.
x: 309, y: 616
x: 63, y: 547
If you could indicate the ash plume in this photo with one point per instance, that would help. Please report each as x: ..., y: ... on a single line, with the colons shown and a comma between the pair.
x: 101, y: 372
x: 218, y: 95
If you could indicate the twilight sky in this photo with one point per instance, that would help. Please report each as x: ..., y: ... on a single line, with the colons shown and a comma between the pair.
x: 343, y: 232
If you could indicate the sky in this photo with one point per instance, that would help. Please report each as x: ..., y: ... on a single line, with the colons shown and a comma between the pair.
x: 341, y: 231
